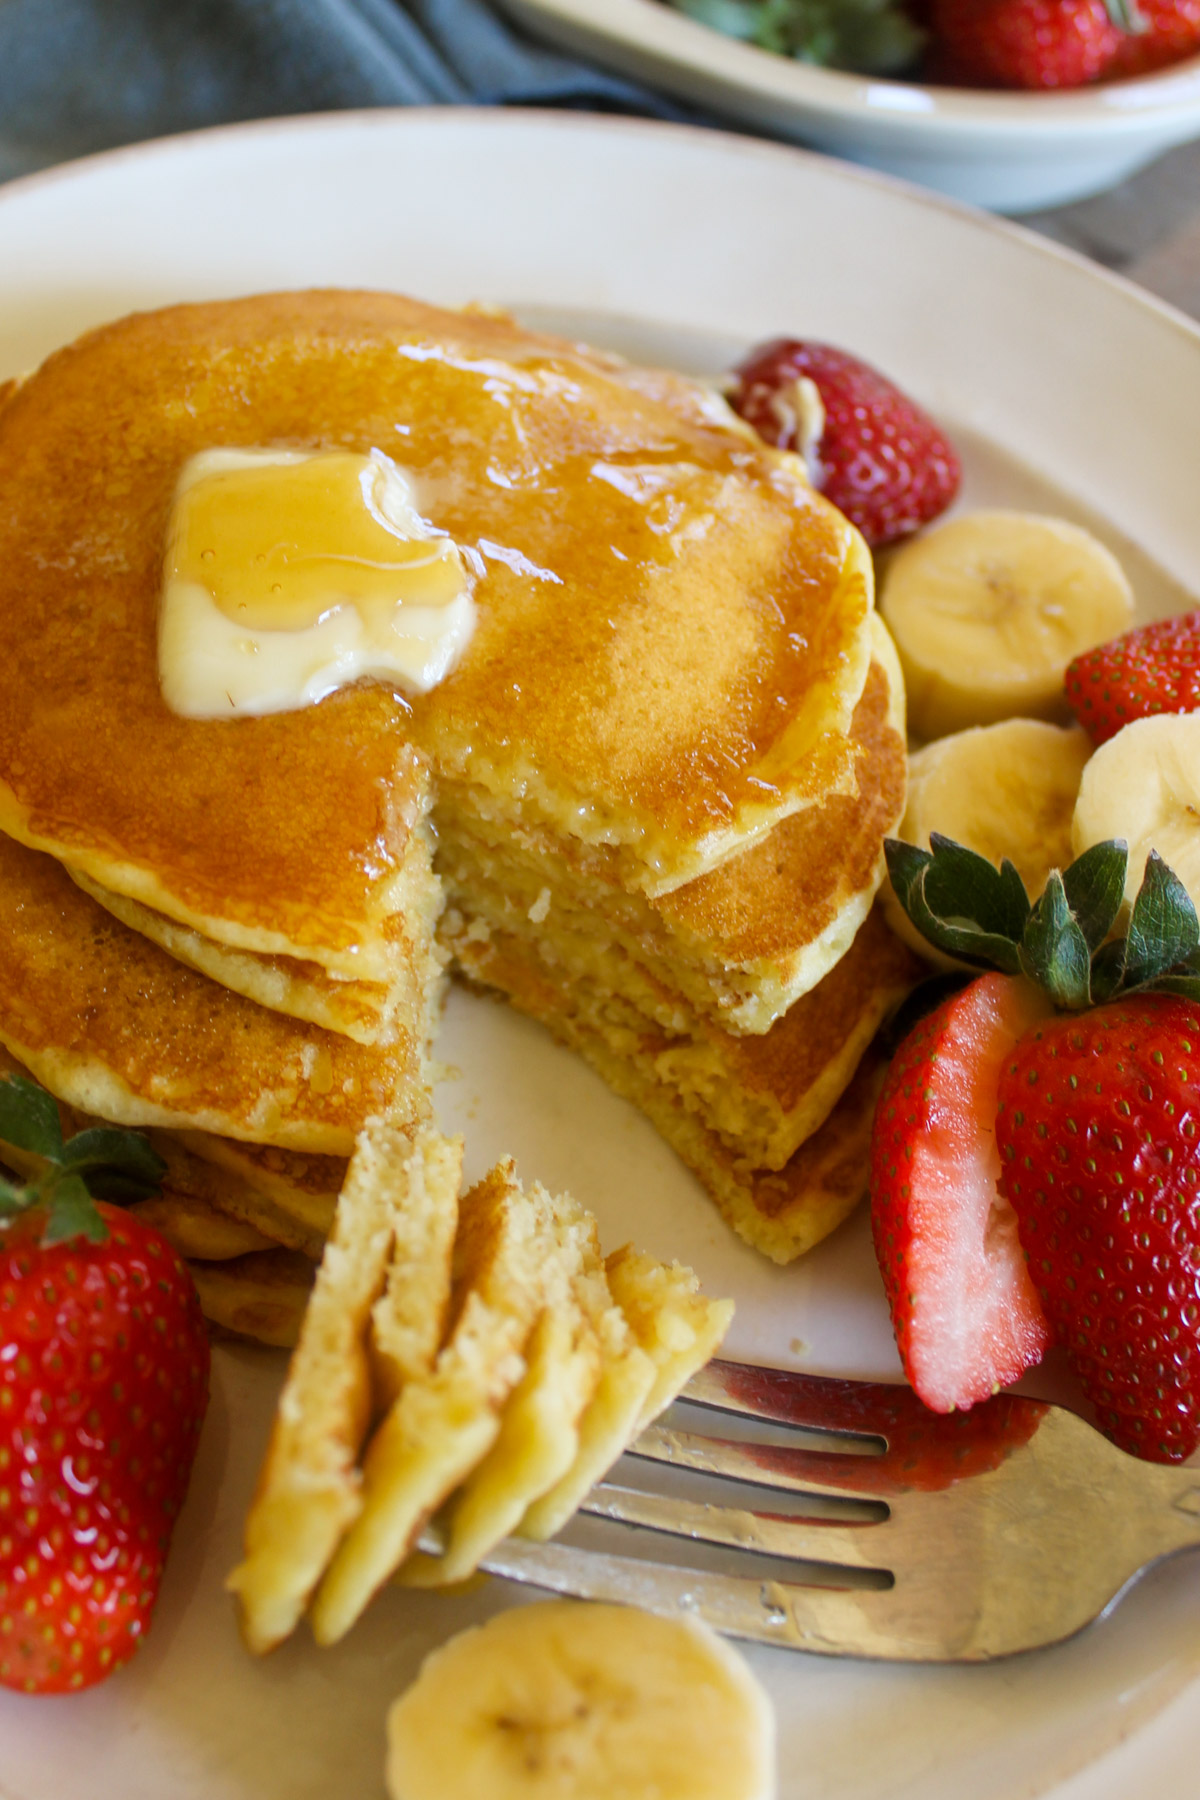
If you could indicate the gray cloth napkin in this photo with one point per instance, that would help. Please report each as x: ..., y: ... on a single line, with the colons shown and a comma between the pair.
x: 83, y: 75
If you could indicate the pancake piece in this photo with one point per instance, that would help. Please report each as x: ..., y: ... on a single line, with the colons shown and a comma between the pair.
x: 538, y: 1441
x: 677, y: 1327
x: 672, y: 625
x: 197, y: 1229
x: 801, y: 1071
x: 370, y: 1012
x: 669, y: 1330
x: 445, y: 1422
x: 263, y: 1296
x: 309, y: 1489
x: 289, y: 1194
x: 762, y: 1097
x: 738, y: 946
x: 114, y: 1026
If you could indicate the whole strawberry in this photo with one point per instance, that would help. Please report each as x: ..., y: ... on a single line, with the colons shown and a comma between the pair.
x: 869, y: 448
x: 1024, y: 43
x: 103, y: 1386
x: 1099, y: 1138
x: 1154, y: 669
x: 1171, y: 31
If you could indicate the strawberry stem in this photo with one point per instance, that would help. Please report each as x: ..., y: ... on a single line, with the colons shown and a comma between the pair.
x: 966, y: 907
x: 102, y: 1160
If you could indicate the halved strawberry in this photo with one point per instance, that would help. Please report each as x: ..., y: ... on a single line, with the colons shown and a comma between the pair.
x: 966, y: 1314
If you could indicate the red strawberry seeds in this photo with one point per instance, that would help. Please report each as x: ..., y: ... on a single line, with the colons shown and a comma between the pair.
x: 1099, y: 1134
x: 103, y: 1384
x: 875, y: 454
x: 1154, y: 669
x: 966, y: 1315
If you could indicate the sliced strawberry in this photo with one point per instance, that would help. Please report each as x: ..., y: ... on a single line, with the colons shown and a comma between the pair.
x: 1154, y: 669
x: 966, y: 1314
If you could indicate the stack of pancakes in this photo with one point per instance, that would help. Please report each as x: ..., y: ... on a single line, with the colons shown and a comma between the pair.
x: 648, y: 805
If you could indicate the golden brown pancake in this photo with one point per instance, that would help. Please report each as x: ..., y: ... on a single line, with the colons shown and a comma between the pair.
x: 784, y: 1090
x: 760, y: 1096
x: 737, y: 946
x: 371, y: 1012
x: 671, y: 638
x: 114, y: 1026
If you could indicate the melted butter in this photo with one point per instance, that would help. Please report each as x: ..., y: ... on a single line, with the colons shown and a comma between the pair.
x: 291, y: 574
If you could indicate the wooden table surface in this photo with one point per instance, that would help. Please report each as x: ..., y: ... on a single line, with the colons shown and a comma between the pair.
x: 1148, y: 228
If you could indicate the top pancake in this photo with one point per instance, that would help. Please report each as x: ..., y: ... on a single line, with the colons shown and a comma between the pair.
x: 671, y: 622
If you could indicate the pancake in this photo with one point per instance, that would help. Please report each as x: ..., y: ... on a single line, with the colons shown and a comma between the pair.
x: 196, y: 1228
x: 115, y: 1027
x: 309, y: 1488
x: 370, y: 1012
x: 444, y: 1422
x: 737, y: 946
x: 671, y: 640
x: 818, y: 1065
x: 263, y: 1296
x: 761, y: 1097
x: 289, y: 1194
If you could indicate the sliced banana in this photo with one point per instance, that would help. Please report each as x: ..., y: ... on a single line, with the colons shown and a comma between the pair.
x: 988, y: 609
x: 1006, y: 790
x: 1143, y: 785
x: 569, y: 1700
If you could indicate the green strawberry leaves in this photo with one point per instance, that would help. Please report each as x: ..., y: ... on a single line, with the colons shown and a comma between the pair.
x: 966, y: 907
x: 102, y: 1161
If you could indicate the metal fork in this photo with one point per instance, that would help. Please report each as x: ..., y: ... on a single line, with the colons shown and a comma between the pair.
x: 977, y: 1534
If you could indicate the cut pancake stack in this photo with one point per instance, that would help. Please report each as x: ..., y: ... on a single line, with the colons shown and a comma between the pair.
x: 648, y: 805
x: 473, y: 1359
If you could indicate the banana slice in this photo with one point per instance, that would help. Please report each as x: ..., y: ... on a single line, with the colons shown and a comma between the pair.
x: 1004, y: 790
x: 569, y: 1700
x: 988, y: 609
x: 1143, y: 785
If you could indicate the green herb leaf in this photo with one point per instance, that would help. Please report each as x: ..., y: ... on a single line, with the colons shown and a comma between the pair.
x: 1095, y: 887
x: 29, y: 1117
x: 1054, y: 950
x: 72, y: 1213
x: 1163, y: 928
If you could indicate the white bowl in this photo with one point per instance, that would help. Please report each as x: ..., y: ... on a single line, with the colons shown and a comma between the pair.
x: 1013, y: 152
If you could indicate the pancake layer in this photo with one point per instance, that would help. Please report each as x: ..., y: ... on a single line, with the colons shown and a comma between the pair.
x: 114, y: 1026
x: 672, y: 624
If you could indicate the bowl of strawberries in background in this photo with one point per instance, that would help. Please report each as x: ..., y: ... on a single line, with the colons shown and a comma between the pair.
x: 1008, y: 104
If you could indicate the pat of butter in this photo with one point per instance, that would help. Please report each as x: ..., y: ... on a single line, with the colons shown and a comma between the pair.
x: 290, y: 574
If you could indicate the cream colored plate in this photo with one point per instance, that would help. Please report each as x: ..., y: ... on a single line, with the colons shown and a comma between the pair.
x: 1065, y: 389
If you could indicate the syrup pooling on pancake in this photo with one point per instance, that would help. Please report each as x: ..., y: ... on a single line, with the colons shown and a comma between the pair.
x: 290, y: 575
x: 651, y: 681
